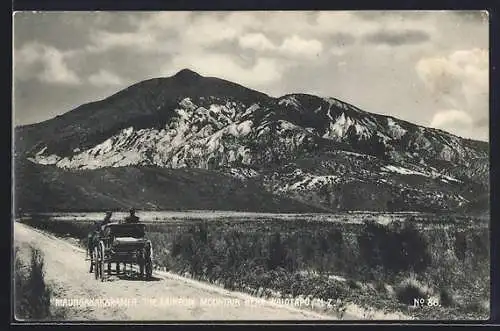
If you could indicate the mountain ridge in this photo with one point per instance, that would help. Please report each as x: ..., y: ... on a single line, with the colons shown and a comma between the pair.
x: 191, y: 121
x: 190, y: 75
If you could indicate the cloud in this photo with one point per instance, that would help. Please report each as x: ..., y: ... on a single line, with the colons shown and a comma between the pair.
x: 130, y: 66
x: 163, y: 20
x: 393, y: 14
x: 482, y: 122
x: 145, y: 33
x: 104, y: 78
x: 264, y: 71
x: 256, y: 41
x: 472, y: 15
x: 172, y: 32
x: 341, y: 43
x: 286, y: 34
x: 291, y: 46
x: 207, y: 30
x: 356, y: 24
x: 136, y: 41
x: 456, y: 119
x: 340, y: 39
x: 397, y: 38
x: 46, y: 63
x: 338, y: 51
x: 459, y: 81
x: 461, y: 77
x: 460, y: 123
x: 298, y: 46
x: 35, y: 102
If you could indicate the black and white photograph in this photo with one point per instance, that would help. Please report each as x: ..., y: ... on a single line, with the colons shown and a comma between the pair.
x: 250, y: 166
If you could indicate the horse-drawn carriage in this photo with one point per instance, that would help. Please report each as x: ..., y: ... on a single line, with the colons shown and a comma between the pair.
x: 120, y: 243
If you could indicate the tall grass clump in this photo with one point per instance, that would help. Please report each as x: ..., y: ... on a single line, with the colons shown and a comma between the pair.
x: 411, y: 289
x: 32, y: 295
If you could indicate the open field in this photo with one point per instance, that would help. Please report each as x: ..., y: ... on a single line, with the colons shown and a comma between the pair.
x: 375, y: 260
x: 353, y: 217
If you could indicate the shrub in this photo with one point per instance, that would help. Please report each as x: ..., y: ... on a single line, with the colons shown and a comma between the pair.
x: 277, y: 252
x: 370, y: 243
x: 411, y: 289
x: 476, y: 305
x: 408, y: 249
x: 353, y: 284
x: 460, y: 245
x: 32, y: 295
x: 380, y: 286
x: 446, y: 298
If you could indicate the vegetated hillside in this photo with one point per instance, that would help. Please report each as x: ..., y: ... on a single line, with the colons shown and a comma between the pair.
x: 347, y: 181
x: 47, y: 188
x: 321, y: 151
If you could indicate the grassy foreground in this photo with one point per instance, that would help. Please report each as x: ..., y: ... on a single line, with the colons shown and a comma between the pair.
x: 386, y: 267
x: 31, y: 293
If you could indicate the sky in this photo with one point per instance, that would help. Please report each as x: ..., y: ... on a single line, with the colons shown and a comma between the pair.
x: 425, y: 67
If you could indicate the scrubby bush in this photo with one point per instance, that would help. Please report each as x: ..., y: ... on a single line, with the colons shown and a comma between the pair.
x: 476, y: 305
x: 394, y: 248
x: 460, y: 245
x: 32, y: 295
x: 353, y: 284
x: 409, y: 290
x: 446, y: 298
x: 63, y: 228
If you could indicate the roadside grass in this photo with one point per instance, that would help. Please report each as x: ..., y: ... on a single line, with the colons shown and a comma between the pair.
x: 385, y: 267
x: 31, y: 293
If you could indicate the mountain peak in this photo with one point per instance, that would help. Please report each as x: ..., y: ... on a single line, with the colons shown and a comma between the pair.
x: 187, y: 74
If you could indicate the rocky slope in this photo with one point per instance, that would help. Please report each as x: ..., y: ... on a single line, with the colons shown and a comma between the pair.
x: 317, y: 151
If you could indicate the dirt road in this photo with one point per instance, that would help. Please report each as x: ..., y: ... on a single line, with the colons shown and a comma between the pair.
x: 166, y: 297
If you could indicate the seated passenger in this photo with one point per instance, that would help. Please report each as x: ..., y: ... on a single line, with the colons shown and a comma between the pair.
x: 107, y: 219
x: 132, y: 218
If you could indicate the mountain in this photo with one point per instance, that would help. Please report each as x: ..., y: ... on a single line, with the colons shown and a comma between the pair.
x: 315, y: 153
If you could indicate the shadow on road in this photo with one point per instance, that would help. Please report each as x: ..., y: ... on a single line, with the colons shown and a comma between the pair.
x: 137, y: 277
x: 113, y: 275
